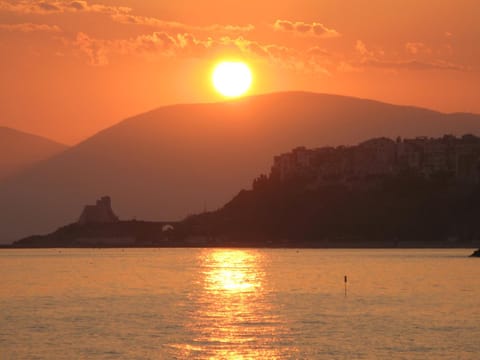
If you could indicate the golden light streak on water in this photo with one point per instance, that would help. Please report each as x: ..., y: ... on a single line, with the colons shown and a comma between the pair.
x: 232, y: 272
x: 232, y: 313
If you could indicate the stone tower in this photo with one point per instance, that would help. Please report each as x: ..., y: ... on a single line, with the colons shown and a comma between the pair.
x: 101, y: 212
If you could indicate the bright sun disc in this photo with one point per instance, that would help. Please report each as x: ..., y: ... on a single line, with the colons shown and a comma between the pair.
x: 232, y: 78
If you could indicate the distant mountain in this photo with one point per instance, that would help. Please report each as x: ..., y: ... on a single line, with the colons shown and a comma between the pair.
x: 19, y: 150
x: 176, y: 160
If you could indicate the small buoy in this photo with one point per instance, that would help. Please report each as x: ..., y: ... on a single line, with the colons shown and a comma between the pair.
x: 345, y: 281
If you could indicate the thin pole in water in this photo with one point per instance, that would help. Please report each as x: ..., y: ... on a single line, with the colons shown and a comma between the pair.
x: 345, y: 281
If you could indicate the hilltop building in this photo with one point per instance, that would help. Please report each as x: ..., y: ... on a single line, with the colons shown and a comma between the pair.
x: 101, y: 212
x: 379, y: 157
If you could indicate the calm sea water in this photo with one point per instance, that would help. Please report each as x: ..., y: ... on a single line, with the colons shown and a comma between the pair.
x: 239, y: 304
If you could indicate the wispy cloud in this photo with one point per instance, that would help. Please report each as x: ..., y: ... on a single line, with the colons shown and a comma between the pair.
x: 378, y: 58
x: 120, y: 14
x: 414, y: 65
x: 361, y: 48
x: 415, y: 48
x: 302, y: 28
x: 318, y: 51
x: 95, y: 50
x: 56, y: 6
x: 99, y: 51
x: 127, y: 18
x: 162, y: 43
x: 30, y: 27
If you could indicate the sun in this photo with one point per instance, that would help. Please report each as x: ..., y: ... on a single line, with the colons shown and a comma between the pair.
x: 232, y: 78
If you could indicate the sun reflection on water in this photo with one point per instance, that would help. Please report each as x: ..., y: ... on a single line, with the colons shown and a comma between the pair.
x: 232, y: 271
x: 233, y: 315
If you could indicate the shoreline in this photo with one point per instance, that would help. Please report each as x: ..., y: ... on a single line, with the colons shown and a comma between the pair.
x: 237, y: 246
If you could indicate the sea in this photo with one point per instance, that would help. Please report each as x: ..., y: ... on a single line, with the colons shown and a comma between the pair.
x: 239, y: 304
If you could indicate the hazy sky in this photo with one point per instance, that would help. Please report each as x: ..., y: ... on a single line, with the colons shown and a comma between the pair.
x: 70, y: 68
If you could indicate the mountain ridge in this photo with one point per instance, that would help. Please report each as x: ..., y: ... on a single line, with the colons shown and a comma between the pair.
x: 20, y: 150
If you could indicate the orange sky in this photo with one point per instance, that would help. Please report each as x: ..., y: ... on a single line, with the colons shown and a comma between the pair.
x: 70, y: 68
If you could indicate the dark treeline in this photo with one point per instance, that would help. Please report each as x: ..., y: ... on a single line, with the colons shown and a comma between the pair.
x: 396, y: 210
x: 115, y: 234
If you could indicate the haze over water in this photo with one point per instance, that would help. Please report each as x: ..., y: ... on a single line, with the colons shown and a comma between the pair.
x: 238, y: 304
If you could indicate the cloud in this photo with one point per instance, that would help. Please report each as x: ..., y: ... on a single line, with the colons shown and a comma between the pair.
x: 187, y: 45
x: 56, y: 6
x: 43, y: 7
x: 96, y: 50
x: 348, y: 67
x: 317, y: 51
x: 415, y: 48
x: 78, y: 5
x: 361, y: 48
x: 378, y: 59
x: 120, y: 14
x: 48, y: 6
x: 30, y: 27
x: 275, y: 54
x: 301, y: 28
x: 414, y: 65
x: 157, y: 43
x: 127, y: 18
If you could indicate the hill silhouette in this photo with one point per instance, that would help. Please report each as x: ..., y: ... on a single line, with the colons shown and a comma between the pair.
x: 19, y: 150
x: 398, y: 210
x: 176, y: 160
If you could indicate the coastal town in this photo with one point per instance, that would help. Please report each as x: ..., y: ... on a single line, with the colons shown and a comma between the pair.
x: 454, y: 157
